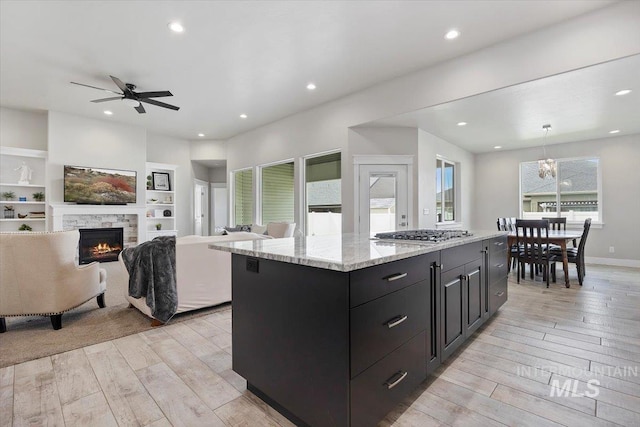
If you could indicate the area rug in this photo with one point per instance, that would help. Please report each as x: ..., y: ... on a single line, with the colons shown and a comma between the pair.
x: 32, y: 337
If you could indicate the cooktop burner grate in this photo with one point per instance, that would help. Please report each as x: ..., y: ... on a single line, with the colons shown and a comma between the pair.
x: 425, y: 235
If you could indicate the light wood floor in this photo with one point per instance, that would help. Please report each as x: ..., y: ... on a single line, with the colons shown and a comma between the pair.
x: 181, y: 374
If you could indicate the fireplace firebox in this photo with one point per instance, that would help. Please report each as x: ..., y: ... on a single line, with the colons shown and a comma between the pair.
x: 100, y: 244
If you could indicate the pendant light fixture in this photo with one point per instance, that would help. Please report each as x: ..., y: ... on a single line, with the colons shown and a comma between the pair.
x: 546, y: 166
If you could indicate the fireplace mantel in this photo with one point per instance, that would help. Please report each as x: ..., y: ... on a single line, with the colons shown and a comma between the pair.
x: 59, y: 210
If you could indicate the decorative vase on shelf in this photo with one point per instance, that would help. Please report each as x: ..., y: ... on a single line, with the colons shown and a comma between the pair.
x: 158, y: 226
x: 9, y: 212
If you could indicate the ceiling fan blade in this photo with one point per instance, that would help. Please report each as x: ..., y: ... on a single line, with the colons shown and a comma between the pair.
x: 107, y: 99
x: 140, y: 109
x: 153, y: 94
x: 159, y: 104
x: 123, y: 87
x: 95, y: 87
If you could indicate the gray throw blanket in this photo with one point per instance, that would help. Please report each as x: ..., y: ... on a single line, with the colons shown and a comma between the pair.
x: 152, y: 274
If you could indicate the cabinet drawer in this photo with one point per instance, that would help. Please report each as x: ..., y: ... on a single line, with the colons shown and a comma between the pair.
x: 382, y: 325
x: 498, y: 292
x: 498, y: 244
x: 381, y: 387
x: 460, y: 255
x: 374, y: 282
x: 498, y: 266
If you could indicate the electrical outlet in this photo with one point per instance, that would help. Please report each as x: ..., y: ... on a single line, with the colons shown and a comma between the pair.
x: 612, y: 249
x: 425, y: 211
x: 252, y: 264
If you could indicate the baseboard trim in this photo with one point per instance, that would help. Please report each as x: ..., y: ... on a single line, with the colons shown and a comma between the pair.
x: 613, y: 261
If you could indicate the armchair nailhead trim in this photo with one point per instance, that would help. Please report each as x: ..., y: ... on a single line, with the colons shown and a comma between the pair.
x: 50, y: 314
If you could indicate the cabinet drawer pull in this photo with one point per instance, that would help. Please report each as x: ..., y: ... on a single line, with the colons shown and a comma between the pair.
x: 396, y: 277
x: 498, y: 243
x: 396, y: 321
x: 391, y: 384
x: 499, y: 265
x: 499, y: 294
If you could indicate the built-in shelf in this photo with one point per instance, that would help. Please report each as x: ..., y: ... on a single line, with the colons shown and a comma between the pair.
x: 11, y: 161
x: 20, y: 202
x: 9, y: 184
x: 162, y: 203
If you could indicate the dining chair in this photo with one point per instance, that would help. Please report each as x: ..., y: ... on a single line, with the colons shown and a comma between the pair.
x: 505, y: 224
x: 532, y: 239
x: 558, y: 224
x: 575, y: 255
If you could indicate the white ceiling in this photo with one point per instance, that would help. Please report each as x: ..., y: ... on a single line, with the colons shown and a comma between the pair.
x: 579, y: 105
x: 238, y: 56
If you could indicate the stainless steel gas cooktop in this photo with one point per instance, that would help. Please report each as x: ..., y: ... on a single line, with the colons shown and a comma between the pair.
x: 424, y: 235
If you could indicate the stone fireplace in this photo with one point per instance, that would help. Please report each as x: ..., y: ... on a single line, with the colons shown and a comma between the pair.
x: 130, y: 218
x: 99, y: 244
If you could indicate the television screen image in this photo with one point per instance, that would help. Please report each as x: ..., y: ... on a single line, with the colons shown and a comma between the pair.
x: 99, y: 186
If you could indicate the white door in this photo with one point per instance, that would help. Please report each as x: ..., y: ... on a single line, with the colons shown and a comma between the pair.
x: 219, y: 205
x: 201, y: 208
x: 383, y: 198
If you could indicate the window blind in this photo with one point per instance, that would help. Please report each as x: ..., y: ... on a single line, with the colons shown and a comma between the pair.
x: 277, y: 193
x: 243, y: 197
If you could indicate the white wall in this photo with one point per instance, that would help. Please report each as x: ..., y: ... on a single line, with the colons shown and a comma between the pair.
x: 166, y: 149
x: 23, y: 129
x: 200, y: 171
x: 603, y: 35
x: 208, y: 150
x: 497, y: 190
x: 218, y: 174
x: 79, y: 141
x: 430, y: 146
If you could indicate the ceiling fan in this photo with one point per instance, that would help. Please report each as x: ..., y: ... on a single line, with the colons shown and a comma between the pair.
x: 132, y: 97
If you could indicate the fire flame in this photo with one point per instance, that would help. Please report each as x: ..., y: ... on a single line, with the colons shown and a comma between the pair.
x: 104, y: 248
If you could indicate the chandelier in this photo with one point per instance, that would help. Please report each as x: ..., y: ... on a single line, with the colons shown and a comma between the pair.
x: 546, y: 166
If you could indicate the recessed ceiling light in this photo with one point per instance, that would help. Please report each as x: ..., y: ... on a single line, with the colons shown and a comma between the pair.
x: 201, y: 135
x: 452, y: 34
x: 108, y: 113
x: 623, y: 92
x: 462, y: 123
x: 311, y: 86
x: 243, y: 116
x: 176, y: 27
x: 497, y: 147
x: 614, y: 131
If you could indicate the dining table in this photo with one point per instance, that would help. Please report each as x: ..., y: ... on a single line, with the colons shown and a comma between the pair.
x: 559, y: 238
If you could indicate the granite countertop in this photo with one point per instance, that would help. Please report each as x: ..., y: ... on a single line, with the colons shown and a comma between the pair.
x: 343, y: 252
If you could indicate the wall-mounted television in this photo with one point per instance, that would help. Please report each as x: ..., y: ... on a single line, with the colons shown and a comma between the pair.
x: 99, y: 186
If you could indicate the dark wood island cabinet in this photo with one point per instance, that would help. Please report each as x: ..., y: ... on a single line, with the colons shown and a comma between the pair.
x: 340, y: 342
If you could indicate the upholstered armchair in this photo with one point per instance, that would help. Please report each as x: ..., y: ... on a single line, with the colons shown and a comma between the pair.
x: 39, y: 276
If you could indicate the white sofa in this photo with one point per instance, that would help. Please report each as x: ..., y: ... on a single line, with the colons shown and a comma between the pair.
x: 203, y: 275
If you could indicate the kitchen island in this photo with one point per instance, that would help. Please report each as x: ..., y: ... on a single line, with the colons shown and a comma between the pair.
x: 337, y: 330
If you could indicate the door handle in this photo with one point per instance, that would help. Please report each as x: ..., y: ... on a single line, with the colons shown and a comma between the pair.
x: 499, y: 294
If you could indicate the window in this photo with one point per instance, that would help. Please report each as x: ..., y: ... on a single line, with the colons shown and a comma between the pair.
x: 277, y: 193
x: 575, y: 190
x: 243, y: 197
x: 323, y: 203
x: 445, y: 191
